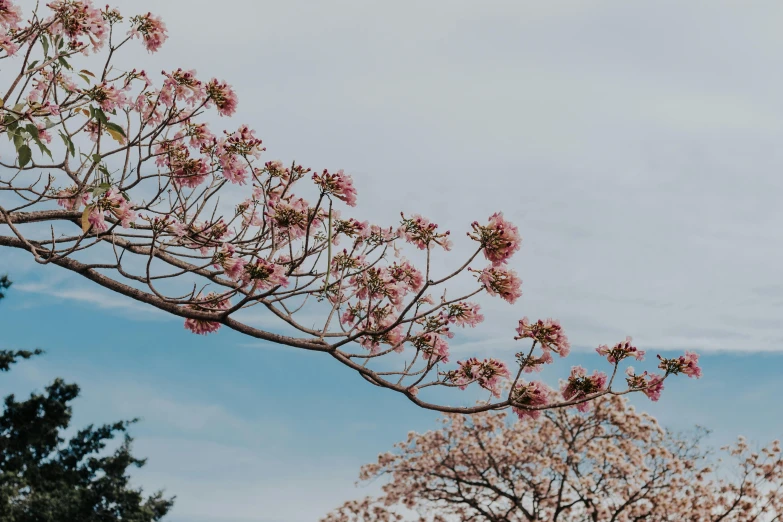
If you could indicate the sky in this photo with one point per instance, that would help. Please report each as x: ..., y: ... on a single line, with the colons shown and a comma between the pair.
x: 636, y: 146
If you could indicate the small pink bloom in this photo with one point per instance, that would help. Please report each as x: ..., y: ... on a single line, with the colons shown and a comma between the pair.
x: 150, y: 29
x: 8, y: 45
x: 499, y: 238
x: 10, y: 15
x: 223, y: 97
x: 209, y: 303
x: 548, y: 333
x: 77, y: 18
x: 579, y: 386
x: 535, y: 395
x: 265, y: 274
x: 488, y: 373
x: 69, y: 198
x: 620, y: 351
x: 464, y: 314
x: 501, y: 282
x: 182, y: 85
x: 687, y: 364
x: 97, y: 220
x: 339, y: 184
x: 418, y: 231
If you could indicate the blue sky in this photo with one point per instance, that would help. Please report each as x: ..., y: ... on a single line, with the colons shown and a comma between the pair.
x: 636, y: 146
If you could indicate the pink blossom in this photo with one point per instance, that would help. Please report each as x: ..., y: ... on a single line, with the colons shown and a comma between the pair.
x: 265, y: 274
x: 501, y: 282
x: 108, y: 97
x: 234, y: 267
x: 620, y: 351
x: 433, y: 346
x: 150, y: 29
x: 223, y: 96
x: 418, y: 231
x: 182, y: 85
x: 70, y: 199
x: 687, y: 364
x: 534, y: 395
x: 209, y: 303
x: 403, y: 272
x: 338, y: 184
x: 548, y: 333
x: 8, y: 45
x: 650, y: 384
x: 43, y: 134
x: 10, y: 15
x: 190, y: 172
x: 199, y: 134
x: 353, y: 228
x: 580, y: 386
x: 77, y: 18
x: 290, y: 216
x: 464, y: 314
x: 125, y: 213
x: 96, y: 219
x: 499, y: 238
x: 488, y: 373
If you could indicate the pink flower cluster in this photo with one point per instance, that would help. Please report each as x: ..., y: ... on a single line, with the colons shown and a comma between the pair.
x: 463, y: 314
x: 209, y: 303
x: 418, y: 231
x: 687, y: 364
x: 234, y: 151
x: 499, y: 238
x: 223, y: 96
x: 650, y: 384
x: 265, y: 274
x: 70, y: 199
x: 10, y: 16
x: 620, y: 351
x: 150, y: 29
x: 488, y: 373
x: 548, y: 333
x: 78, y: 18
x: 580, y: 386
x: 501, y: 282
x: 534, y: 395
x: 338, y: 184
x: 182, y: 85
x: 114, y: 203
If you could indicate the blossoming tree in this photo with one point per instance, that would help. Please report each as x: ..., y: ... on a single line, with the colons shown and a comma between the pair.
x: 614, y: 465
x: 121, y: 180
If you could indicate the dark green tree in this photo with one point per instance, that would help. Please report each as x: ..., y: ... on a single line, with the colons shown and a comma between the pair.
x: 44, y: 478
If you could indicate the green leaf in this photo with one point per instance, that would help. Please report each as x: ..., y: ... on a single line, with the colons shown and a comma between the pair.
x: 68, y: 144
x: 64, y: 63
x: 44, y: 149
x: 116, y: 128
x: 45, y: 44
x: 96, y: 158
x: 33, y: 130
x: 32, y: 65
x: 25, y: 155
x: 100, y: 115
x: 83, y: 77
x: 18, y: 140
